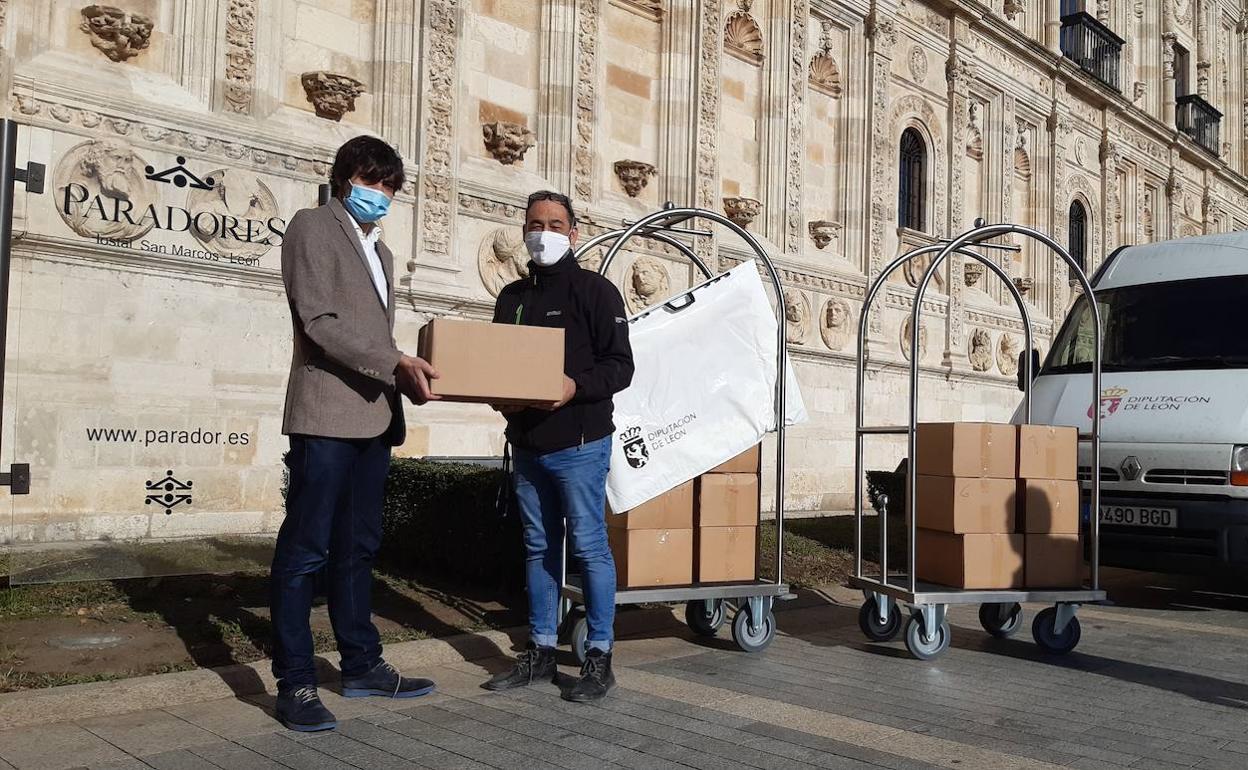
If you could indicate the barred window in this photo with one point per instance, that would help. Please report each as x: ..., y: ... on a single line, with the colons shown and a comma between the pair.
x: 1078, y: 231
x: 912, y: 181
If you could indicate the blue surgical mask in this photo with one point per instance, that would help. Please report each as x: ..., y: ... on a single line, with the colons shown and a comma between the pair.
x: 366, y: 204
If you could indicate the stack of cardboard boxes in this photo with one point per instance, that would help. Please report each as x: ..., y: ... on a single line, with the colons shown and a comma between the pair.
x: 997, y: 506
x: 704, y: 531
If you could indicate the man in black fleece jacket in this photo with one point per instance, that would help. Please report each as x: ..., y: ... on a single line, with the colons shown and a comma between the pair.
x: 561, y: 453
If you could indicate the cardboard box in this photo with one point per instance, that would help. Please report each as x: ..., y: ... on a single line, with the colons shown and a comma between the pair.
x: 746, y: 462
x: 1054, y: 561
x: 967, y: 506
x: 970, y: 561
x: 494, y: 363
x: 727, y: 500
x: 672, y: 510
x: 724, y: 554
x: 968, y: 450
x: 645, y: 558
x: 1048, y: 452
x: 1049, y: 507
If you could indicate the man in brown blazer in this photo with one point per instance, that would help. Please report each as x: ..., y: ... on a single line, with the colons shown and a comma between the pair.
x: 343, y: 414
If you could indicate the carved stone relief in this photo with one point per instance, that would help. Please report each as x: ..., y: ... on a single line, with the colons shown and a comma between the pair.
x: 107, y: 169
x: 116, y: 33
x: 508, y: 142
x: 238, y: 194
x: 981, y: 350
x: 797, y: 316
x: 834, y: 324
x: 1007, y: 355
x: 634, y: 175
x: 824, y: 75
x: 587, y: 23
x: 240, y: 55
x: 905, y: 339
x: 742, y: 211
x: 918, y: 64
x: 742, y: 36
x: 823, y: 233
x: 648, y: 282
x: 332, y: 95
x: 438, y: 185
x: 502, y: 259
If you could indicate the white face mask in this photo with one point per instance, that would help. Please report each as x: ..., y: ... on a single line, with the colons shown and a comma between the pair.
x: 546, y: 248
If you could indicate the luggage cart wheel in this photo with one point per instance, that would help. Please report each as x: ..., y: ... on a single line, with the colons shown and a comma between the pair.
x: 754, y: 639
x: 875, y: 629
x: 704, y: 620
x: 1001, y: 620
x: 578, y: 634
x: 924, y: 648
x: 1044, y: 630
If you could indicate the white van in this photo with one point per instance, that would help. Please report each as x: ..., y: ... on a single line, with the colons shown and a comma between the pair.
x: 1174, y: 402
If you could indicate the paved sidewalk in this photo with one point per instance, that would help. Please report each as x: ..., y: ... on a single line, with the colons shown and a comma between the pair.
x: 1161, y: 683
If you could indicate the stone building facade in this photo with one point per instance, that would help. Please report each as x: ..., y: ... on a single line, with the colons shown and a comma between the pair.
x: 150, y: 336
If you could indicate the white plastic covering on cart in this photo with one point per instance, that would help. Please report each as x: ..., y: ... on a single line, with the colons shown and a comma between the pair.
x: 704, y: 389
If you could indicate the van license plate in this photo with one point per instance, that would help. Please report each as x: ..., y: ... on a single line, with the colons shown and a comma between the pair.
x: 1133, y: 516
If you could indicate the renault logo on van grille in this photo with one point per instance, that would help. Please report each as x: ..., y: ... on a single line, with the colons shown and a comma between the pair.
x: 1131, y: 468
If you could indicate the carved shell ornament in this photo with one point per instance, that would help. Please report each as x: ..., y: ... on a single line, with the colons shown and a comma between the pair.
x: 824, y: 75
x: 742, y: 35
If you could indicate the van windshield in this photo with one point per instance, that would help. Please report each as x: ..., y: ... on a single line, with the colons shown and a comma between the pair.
x: 1196, y: 324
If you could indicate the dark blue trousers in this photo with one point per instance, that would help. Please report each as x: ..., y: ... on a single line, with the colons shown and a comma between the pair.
x: 333, y: 519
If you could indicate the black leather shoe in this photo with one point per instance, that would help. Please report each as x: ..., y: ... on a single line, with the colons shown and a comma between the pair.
x: 596, y: 679
x: 301, y: 709
x: 532, y: 665
x: 384, y: 681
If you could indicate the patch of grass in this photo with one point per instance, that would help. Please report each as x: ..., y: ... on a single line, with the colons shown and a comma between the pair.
x: 820, y: 551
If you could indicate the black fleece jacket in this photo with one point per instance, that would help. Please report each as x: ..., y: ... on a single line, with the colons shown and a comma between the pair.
x: 597, y: 354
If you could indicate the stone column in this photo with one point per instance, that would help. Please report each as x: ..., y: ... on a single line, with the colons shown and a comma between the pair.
x: 584, y: 178
x: 436, y: 197
x: 790, y: 77
x: 710, y: 47
x: 556, y: 92
x: 1204, y: 50
x: 1053, y: 25
x: 1174, y: 199
x: 400, y: 70
x: 881, y: 29
x: 1168, y: 97
x: 678, y: 112
x: 959, y: 72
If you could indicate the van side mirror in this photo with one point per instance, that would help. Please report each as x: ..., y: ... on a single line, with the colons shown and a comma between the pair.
x: 1022, y: 368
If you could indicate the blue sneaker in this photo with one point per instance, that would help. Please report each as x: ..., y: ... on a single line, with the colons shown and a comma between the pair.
x: 301, y: 710
x: 384, y: 681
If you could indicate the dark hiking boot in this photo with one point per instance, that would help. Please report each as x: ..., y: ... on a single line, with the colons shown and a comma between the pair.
x: 596, y: 679
x: 535, y: 664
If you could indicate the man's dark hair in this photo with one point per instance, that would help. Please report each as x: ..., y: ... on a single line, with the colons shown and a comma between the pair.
x: 370, y: 159
x: 550, y: 195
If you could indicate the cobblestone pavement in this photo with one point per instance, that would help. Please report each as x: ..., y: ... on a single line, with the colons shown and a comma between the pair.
x: 1159, y: 681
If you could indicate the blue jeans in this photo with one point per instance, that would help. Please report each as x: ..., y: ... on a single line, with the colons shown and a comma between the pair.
x: 333, y: 518
x: 567, y: 486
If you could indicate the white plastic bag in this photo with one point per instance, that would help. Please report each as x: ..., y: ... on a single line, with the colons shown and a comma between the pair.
x: 704, y: 387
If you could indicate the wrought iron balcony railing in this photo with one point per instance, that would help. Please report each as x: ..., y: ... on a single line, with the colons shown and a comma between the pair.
x: 1094, y: 47
x: 1198, y: 119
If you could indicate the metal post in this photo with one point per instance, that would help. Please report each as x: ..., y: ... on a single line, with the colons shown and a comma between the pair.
x: 8, y: 168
